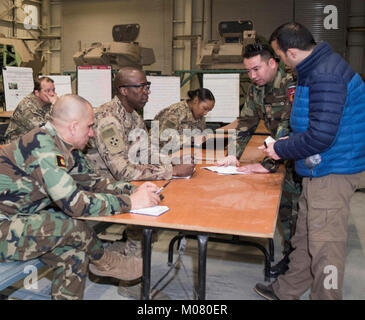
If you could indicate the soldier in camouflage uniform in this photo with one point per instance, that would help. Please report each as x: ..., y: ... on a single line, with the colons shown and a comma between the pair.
x: 269, y: 98
x: 189, y: 114
x: 45, y: 167
x: 110, y: 147
x: 114, y: 123
x: 33, y: 110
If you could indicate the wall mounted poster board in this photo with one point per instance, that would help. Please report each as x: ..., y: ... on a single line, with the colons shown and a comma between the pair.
x: 94, y: 83
x: 62, y: 83
x: 18, y: 83
x: 226, y: 90
x: 164, y: 92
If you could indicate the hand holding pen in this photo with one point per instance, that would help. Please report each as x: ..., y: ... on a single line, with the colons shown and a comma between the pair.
x: 163, y: 187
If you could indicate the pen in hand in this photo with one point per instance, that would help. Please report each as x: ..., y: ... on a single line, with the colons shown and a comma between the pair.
x: 163, y: 187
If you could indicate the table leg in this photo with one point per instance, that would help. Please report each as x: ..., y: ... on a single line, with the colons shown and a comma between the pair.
x: 146, y: 278
x: 202, y: 267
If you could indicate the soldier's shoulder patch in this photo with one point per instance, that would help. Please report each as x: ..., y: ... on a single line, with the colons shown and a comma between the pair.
x: 61, y: 161
x: 112, y: 139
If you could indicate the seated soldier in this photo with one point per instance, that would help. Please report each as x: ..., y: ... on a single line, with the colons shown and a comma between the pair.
x: 33, y: 110
x: 188, y: 114
x: 44, y: 168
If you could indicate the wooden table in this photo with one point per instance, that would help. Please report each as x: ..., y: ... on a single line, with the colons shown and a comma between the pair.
x: 206, y: 204
x: 260, y: 130
x: 6, y: 114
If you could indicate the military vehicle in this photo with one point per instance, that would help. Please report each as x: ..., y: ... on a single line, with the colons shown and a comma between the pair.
x: 17, y: 53
x: 226, y: 53
x: 123, y: 51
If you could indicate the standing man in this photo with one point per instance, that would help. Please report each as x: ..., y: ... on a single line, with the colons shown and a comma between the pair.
x: 269, y: 98
x: 328, y: 146
x: 33, y: 110
x: 44, y: 168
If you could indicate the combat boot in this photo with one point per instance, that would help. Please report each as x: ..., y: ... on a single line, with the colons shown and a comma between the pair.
x: 113, y: 264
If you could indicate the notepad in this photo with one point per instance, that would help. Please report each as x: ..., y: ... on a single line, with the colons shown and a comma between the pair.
x: 151, y: 211
x: 224, y: 170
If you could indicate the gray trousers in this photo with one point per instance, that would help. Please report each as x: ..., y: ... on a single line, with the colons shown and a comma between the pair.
x: 318, y: 261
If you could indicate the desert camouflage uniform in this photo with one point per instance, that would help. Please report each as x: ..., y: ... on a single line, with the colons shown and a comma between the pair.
x: 108, y: 156
x: 110, y: 146
x: 41, y: 170
x: 179, y: 117
x: 29, y: 114
x: 272, y: 103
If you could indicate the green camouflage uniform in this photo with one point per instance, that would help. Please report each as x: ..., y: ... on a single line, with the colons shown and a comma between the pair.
x: 40, y: 170
x: 272, y: 104
x: 179, y: 117
x: 29, y: 114
x: 108, y: 154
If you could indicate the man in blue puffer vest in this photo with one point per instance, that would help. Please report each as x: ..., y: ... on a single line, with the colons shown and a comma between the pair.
x: 328, y: 146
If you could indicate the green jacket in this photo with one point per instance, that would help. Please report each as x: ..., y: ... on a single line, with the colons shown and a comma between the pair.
x: 270, y: 103
x: 40, y: 169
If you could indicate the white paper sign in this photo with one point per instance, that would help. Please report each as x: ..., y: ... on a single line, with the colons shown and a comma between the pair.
x: 18, y: 83
x: 61, y: 83
x: 165, y: 91
x: 94, y: 83
x: 226, y: 90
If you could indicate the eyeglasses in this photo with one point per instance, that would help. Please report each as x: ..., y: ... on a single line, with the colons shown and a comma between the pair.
x: 144, y: 86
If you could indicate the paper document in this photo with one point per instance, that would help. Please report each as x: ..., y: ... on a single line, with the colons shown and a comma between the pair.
x: 151, y: 211
x: 269, y: 140
x: 224, y: 170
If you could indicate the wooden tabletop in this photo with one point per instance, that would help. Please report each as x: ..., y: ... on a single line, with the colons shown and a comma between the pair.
x: 6, y: 114
x: 245, y: 205
x: 261, y: 128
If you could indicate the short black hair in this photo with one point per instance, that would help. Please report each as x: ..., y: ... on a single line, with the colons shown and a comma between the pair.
x: 255, y: 49
x: 37, y: 83
x: 293, y: 35
x: 202, y: 94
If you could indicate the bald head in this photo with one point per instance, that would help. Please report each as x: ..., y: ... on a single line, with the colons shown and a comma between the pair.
x: 70, y: 107
x: 73, y: 118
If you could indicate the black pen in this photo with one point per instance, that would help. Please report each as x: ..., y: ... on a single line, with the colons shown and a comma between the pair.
x: 163, y: 187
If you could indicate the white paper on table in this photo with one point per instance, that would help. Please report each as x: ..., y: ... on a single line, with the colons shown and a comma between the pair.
x: 151, y: 211
x: 224, y: 170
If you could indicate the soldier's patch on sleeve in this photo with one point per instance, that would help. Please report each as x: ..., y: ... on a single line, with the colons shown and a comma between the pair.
x: 61, y: 161
x: 112, y: 139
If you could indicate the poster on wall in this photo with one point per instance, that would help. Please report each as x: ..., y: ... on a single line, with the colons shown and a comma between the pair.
x: 18, y: 83
x: 94, y: 83
x: 226, y: 90
x: 62, y: 84
x: 164, y: 92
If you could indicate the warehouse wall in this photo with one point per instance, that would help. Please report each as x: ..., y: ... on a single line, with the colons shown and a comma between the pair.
x: 92, y: 21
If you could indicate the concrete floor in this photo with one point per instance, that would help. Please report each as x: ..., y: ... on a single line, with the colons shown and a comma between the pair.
x: 232, y: 270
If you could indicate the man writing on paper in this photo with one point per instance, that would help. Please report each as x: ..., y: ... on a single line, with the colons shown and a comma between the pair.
x: 269, y: 98
x: 33, y: 110
x: 115, y: 123
x: 44, y: 168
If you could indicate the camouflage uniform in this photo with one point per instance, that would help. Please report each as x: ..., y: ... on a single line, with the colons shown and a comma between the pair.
x: 108, y: 154
x: 179, y: 117
x: 272, y: 103
x: 29, y: 114
x: 41, y: 170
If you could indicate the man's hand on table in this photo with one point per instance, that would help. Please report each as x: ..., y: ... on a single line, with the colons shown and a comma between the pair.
x: 228, y: 161
x: 145, y: 196
x: 253, y: 168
